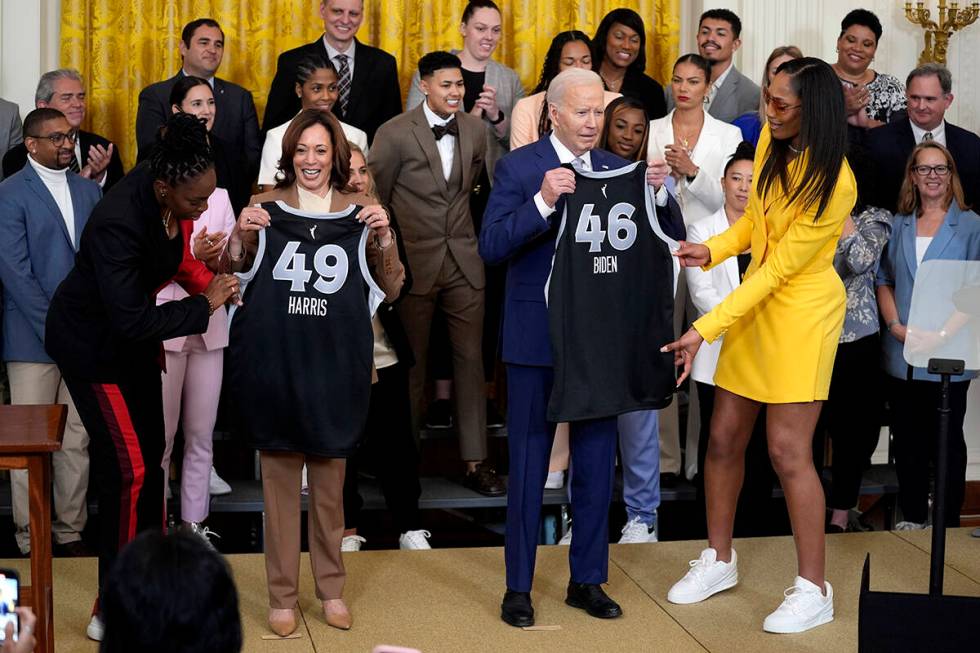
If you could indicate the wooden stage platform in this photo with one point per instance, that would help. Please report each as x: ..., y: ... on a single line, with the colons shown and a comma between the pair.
x: 448, y: 600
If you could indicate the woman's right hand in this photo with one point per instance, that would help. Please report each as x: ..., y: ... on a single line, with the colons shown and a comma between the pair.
x: 692, y: 255
x: 899, y: 332
x: 223, y: 287
x: 25, y: 639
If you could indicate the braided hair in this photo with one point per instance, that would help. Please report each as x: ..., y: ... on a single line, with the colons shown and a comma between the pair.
x: 182, y: 151
x: 550, y: 69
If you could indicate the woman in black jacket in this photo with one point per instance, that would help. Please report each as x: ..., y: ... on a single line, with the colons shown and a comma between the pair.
x: 104, y: 329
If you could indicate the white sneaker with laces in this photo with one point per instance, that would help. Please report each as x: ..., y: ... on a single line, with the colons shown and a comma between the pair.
x: 217, y: 486
x: 555, y: 481
x: 566, y: 539
x: 203, y: 532
x: 637, y: 532
x: 414, y: 541
x: 804, y: 607
x: 96, y: 629
x: 351, y: 543
x: 707, y: 576
x: 909, y: 526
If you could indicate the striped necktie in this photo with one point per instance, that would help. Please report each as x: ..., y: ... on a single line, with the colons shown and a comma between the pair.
x: 927, y: 137
x: 73, y: 164
x: 343, y: 85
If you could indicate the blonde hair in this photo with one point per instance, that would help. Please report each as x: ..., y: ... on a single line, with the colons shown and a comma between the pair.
x: 370, y: 190
x: 908, y: 198
x: 782, y: 50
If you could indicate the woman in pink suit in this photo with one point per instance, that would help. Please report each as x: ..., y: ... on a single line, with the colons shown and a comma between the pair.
x: 194, y: 364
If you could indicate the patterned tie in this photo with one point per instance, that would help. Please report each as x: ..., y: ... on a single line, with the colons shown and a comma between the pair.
x: 73, y: 164
x: 344, y: 83
x: 927, y: 137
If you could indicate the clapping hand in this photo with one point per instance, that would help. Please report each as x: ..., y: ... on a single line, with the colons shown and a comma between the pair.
x: 98, y: 160
x: 679, y: 160
x: 486, y: 103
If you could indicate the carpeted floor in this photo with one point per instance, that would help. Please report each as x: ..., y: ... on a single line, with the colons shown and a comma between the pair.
x: 448, y: 600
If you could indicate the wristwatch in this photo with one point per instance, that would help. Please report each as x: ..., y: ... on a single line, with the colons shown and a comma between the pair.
x: 500, y: 117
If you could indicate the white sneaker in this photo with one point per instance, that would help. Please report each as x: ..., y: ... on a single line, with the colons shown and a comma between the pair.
x: 909, y: 526
x: 636, y: 532
x: 351, y: 543
x: 96, y: 629
x: 555, y: 480
x: 707, y: 576
x: 804, y: 607
x: 217, y: 486
x: 414, y: 541
x: 566, y: 539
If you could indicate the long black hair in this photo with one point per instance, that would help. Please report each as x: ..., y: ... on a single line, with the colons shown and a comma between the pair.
x: 182, y: 151
x: 744, y: 152
x: 552, y: 61
x: 183, y: 87
x: 823, y: 134
x: 628, y: 18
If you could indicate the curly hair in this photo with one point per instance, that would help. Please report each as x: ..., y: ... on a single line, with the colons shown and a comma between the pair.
x: 182, y: 151
x: 552, y: 62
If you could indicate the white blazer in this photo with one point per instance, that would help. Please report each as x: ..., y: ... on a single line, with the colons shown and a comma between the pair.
x: 708, y: 289
x: 716, y: 144
x: 272, y: 149
x: 219, y: 216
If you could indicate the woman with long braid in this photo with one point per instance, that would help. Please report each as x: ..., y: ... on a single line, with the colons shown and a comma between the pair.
x: 104, y: 328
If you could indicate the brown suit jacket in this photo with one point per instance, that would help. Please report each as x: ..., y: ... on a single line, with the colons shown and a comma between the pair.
x: 431, y: 218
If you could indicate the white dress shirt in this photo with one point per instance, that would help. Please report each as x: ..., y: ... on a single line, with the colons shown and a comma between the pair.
x: 716, y: 84
x: 56, y: 181
x: 209, y: 80
x: 938, y: 134
x: 332, y: 52
x: 446, y: 145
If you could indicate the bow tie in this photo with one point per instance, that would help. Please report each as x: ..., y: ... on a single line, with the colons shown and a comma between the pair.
x: 451, y: 128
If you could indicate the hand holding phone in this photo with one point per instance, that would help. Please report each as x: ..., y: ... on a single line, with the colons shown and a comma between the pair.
x: 9, y: 599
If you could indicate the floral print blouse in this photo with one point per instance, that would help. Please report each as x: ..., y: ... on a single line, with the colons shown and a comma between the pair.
x: 856, y: 261
x: 886, y: 96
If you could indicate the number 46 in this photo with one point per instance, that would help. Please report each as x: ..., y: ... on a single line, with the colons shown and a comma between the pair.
x: 291, y: 267
x: 589, y: 228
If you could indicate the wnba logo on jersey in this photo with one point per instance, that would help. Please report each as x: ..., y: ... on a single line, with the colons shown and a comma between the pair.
x: 620, y: 232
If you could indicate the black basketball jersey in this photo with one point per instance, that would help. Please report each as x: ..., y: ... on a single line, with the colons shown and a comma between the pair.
x: 301, y: 346
x: 610, y: 300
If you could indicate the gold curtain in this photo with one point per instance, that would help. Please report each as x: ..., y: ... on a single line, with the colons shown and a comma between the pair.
x: 120, y: 46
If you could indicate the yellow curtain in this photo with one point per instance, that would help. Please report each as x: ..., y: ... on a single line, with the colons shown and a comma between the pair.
x: 120, y: 46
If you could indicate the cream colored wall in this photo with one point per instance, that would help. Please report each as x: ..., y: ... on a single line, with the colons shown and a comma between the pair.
x: 29, y: 31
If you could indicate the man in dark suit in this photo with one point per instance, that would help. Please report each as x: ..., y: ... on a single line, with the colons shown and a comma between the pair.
x: 424, y: 162
x: 95, y: 157
x: 43, y: 210
x: 367, y: 77
x: 236, y: 123
x: 11, y: 130
x: 929, y: 93
x: 520, y: 228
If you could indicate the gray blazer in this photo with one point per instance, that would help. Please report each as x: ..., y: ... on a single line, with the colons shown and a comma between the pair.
x: 11, y: 129
x: 509, y: 91
x: 738, y: 94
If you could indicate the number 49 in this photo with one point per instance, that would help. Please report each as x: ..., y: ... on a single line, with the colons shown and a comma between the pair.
x: 291, y: 267
x: 589, y: 228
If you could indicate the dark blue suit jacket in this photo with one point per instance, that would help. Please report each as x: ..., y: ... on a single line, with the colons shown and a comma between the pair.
x: 887, y: 151
x: 36, y: 255
x: 514, y: 232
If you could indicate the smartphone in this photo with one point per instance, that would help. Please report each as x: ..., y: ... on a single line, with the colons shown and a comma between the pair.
x: 9, y: 600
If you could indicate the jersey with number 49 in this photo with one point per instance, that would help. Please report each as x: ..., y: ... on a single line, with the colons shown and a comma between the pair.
x: 301, y: 345
x: 610, y: 300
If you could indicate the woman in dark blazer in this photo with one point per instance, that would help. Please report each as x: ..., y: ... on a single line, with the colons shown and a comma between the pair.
x: 619, y: 56
x: 932, y: 222
x: 104, y: 329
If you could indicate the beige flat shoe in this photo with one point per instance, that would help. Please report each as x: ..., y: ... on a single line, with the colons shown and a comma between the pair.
x: 337, y: 614
x: 282, y: 621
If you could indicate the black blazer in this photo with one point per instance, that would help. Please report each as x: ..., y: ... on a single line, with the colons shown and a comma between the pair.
x: 375, y: 96
x: 647, y: 90
x: 16, y: 158
x: 887, y: 148
x: 103, y: 322
x: 235, y: 121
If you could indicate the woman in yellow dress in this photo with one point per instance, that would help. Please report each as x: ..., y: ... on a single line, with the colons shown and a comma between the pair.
x: 781, y: 328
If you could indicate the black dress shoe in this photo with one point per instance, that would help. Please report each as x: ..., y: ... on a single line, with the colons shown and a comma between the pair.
x: 593, y: 600
x: 516, y: 609
x: 440, y: 415
x: 484, y: 479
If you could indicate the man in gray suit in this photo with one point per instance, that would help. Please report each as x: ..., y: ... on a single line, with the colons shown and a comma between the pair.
x: 10, y: 128
x: 425, y: 161
x: 43, y: 210
x: 732, y: 93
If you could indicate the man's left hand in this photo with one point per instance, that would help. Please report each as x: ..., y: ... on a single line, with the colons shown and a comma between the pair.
x: 98, y: 160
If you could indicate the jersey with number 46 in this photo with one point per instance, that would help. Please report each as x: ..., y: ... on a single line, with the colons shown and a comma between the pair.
x: 610, y: 300
x: 300, y: 347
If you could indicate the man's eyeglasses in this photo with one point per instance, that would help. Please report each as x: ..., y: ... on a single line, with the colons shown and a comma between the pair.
x: 925, y: 171
x: 58, y: 138
x: 778, y: 106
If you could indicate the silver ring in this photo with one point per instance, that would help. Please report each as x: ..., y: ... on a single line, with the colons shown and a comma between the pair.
x: 209, y: 242
x: 248, y: 220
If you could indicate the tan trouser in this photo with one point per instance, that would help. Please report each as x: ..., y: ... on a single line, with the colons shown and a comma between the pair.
x: 41, y: 383
x: 281, y: 474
